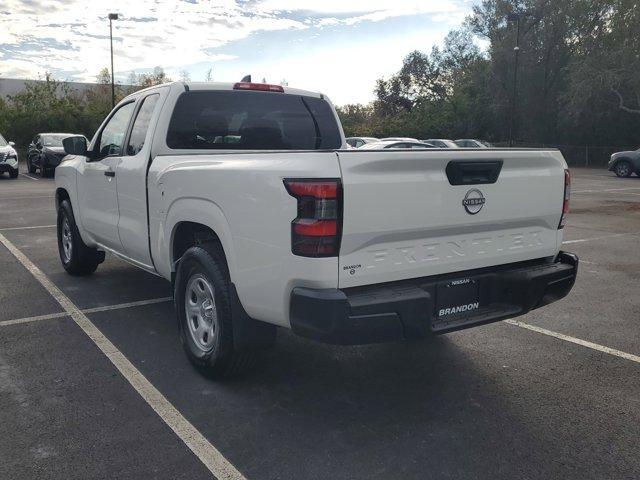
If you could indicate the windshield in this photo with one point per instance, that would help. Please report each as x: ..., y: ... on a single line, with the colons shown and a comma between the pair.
x: 252, y: 121
x: 53, y: 140
x: 3, y: 142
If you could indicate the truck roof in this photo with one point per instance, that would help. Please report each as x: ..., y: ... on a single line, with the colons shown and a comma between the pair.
x: 224, y: 86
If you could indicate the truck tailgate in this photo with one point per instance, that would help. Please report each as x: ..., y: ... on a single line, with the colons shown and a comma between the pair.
x: 403, y: 218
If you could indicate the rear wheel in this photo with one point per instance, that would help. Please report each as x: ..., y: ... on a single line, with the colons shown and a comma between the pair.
x: 76, y: 257
x: 623, y: 169
x: 203, y: 306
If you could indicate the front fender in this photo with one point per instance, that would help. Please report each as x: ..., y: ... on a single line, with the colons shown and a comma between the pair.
x: 66, y: 179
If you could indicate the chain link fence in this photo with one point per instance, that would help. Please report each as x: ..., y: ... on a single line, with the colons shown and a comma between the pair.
x: 577, y: 155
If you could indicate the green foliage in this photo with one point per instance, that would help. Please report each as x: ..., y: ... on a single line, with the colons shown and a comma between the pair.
x: 157, y: 77
x: 578, y: 78
x: 51, y: 106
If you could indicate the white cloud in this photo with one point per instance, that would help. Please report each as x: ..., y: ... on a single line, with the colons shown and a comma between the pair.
x: 71, y: 38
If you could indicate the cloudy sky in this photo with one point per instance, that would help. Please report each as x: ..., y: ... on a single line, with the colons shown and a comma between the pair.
x: 339, y: 47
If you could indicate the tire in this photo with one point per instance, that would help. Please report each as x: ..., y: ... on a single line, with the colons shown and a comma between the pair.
x: 43, y: 172
x: 30, y: 167
x: 13, y: 173
x: 76, y: 257
x: 203, y: 308
x: 623, y: 169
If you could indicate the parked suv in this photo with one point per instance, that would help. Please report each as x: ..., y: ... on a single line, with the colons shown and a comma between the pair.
x: 8, y: 158
x: 625, y: 163
x: 46, y: 152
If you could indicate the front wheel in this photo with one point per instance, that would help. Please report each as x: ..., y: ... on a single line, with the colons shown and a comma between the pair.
x: 203, y: 307
x: 30, y: 167
x: 76, y: 257
x: 623, y: 169
x: 13, y: 173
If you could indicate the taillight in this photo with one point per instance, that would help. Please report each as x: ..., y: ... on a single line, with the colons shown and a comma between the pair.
x: 316, y: 230
x: 567, y: 196
x: 263, y: 87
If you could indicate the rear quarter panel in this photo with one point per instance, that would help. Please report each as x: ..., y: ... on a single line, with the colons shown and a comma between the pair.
x: 241, y: 197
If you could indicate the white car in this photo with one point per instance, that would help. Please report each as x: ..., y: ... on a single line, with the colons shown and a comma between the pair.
x: 8, y: 158
x: 357, y: 142
x: 395, y: 144
x: 244, y: 197
x: 399, y: 139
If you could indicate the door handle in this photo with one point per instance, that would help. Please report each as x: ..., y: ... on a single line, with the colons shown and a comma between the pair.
x: 110, y: 173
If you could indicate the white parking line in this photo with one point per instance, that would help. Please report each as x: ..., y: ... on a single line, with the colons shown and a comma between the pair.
x: 606, y: 190
x: 28, y: 197
x: 603, y: 237
x: 217, y: 464
x: 577, y: 341
x: 17, y: 321
x: 120, y: 306
x: 29, y: 176
x: 106, y: 308
x: 25, y: 228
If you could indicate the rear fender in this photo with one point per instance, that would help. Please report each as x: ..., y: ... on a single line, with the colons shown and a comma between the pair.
x: 201, y: 211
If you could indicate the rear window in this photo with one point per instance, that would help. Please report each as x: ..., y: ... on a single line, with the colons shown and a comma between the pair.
x: 252, y: 121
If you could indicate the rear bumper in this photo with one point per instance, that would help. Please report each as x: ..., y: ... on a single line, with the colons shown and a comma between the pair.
x: 407, y: 309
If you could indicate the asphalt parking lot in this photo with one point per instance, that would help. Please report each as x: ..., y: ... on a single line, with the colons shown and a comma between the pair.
x: 555, y: 396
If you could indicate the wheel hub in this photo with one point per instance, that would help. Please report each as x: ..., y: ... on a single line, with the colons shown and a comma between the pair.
x: 67, y: 240
x: 200, y: 310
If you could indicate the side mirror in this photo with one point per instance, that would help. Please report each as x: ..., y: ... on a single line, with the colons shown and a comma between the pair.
x: 76, y: 145
x: 12, y: 144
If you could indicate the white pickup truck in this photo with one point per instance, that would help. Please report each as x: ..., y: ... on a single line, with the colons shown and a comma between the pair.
x: 247, y: 199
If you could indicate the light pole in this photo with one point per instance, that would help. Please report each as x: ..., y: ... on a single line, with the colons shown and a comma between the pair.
x: 514, y: 17
x: 112, y: 17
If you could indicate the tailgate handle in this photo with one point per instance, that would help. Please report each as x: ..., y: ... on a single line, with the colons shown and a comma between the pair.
x: 461, y: 172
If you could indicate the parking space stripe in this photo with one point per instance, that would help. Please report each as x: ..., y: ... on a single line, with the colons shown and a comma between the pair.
x: 602, y: 237
x: 8, y: 229
x: 215, y: 462
x: 118, y: 306
x: 29, y: 176
x: 577, y: 341
x: 28, y: 197
x: 18, y: 321
x: 606, y: 190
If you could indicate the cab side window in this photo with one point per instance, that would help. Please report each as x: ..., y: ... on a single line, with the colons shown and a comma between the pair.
x: 141, y: 124
x: 112, y: 136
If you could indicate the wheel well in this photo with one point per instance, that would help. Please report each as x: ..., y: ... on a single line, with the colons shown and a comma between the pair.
x: 188, y: 234
x: 61, y: 194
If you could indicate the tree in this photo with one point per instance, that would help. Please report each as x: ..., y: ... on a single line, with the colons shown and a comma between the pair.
x: 608, y: 61
x: 578, y: 80
x: 157, y: 77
